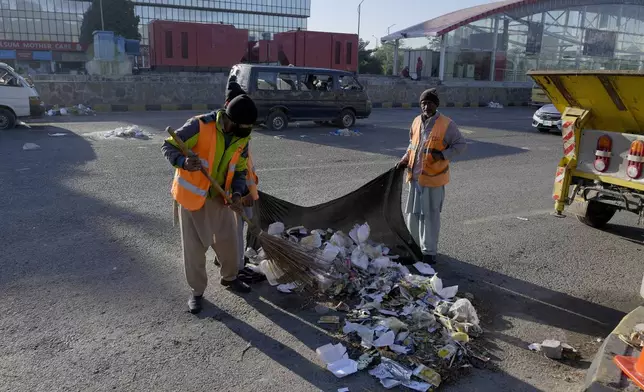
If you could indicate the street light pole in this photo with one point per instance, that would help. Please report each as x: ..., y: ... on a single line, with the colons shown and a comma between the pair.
x: 359, y: 6
x: 102, y: 20
x: 389, y: 28
x: 358, y: 65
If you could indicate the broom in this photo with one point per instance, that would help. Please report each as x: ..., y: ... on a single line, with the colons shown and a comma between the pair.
x: 299, y: 264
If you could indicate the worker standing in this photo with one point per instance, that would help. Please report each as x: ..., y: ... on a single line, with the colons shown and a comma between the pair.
x: 434, y: 139
x: 220, y: 139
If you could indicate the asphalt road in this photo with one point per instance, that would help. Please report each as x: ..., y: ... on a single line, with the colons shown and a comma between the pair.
x: 92, y: 289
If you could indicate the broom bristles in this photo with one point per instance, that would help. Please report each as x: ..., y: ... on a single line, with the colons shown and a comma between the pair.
x: 298, y: 263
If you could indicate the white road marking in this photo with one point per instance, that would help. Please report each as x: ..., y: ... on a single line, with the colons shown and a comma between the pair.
x: 513, y: 215
x: 543, y: 302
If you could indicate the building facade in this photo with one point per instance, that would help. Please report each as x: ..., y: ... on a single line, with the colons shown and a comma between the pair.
x: 503, y: 40
x: 43, y: 35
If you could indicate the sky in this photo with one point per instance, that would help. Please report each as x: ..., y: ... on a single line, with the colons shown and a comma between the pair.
x: 341, y: 16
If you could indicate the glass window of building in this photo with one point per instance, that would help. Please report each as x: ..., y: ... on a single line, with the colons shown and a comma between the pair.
x: 546, y: 35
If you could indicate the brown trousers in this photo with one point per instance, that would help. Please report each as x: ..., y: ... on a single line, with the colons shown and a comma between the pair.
x: 214, y: 225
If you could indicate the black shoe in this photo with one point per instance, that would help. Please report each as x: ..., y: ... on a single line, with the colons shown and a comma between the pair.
x: 255, y: 275
x: 245, y: 278
x: 430, y: 259
x: 194, y: 303
x: 236, y: 286
x: 250, y: 278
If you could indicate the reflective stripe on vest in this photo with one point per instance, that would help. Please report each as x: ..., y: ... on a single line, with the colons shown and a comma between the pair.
x: 230, y: 175
x: 191, y: 188
x: 434, y: 173
x: 252, y: 179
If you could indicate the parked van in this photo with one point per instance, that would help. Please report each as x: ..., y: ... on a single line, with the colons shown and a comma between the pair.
x: 18, y: 98
x: 284, y: 94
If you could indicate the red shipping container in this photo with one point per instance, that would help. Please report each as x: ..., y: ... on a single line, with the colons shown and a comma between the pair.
x: 195, y: 46
x: 318, y: 49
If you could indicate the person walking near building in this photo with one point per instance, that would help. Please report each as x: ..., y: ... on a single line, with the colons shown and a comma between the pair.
x: 220, y: 139
x: 419, y: 68
x: 434, y: 139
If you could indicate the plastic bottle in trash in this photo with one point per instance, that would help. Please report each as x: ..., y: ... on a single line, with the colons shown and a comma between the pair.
x: 271, y: 271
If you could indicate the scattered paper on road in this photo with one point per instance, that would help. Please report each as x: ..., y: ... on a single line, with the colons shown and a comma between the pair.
x: 287, y: 288
x: 425, y: 268
x: 30, y: 147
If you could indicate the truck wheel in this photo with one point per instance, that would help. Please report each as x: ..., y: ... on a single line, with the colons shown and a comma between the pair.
x: 277, y: 121
x: 347, y: 119
x: 596, y: 214
x: 7, y: 119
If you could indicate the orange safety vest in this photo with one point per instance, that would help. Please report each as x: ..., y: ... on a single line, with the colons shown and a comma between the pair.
x: 434, y: 173
x: 190, y: 189
x: 251, y: 179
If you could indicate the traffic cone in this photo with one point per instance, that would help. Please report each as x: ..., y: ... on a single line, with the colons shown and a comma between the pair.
x: 633, y: 367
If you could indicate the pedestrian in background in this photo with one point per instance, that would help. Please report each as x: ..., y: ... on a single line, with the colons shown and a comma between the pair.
x: 220, y: 139
x: 434, y: 139
x: 419, y: 68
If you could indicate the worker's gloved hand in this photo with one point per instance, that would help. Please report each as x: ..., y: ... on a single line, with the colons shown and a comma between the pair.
x: 192, y: 164
x: 248, y: 201
x: 437, y: 155
x: 237, y: 205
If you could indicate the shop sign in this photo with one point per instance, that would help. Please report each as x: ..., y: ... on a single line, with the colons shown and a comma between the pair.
x: 7, y: 54
x: 34, y: 45
x: 42, y: 56
x: 23, y: 55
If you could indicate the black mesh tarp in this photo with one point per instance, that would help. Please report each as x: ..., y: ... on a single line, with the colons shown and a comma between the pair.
x: 377, y: 203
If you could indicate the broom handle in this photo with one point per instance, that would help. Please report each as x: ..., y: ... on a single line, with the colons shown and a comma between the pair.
x: 188, y: 153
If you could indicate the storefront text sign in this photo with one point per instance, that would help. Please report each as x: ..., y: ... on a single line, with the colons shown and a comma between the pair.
x: 31, y: 45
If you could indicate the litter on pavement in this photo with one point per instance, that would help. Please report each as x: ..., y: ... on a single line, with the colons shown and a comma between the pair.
x: 555, y: 349
x: 77, y: 110
x: 129, y: 132
x: 405, y: 329
x: 494, y: 105
x: 30, y: 147
x: 345, y: 132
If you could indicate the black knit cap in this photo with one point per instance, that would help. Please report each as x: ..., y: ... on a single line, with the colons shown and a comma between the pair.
x: 430, y: 95
x: 242, y: 110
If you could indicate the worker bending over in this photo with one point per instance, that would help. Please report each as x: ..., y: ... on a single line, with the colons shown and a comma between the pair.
x: 220, y: 139
x: 434, y: 139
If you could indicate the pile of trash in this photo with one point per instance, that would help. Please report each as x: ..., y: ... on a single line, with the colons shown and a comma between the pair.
x: 129, y: 132
x: 403, y: 328
x: 345, y: 132
x: 77, y: 110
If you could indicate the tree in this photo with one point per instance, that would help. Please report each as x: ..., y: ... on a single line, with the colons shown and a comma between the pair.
x: 118, y: 16
x: 369, y: 64
x: 385, y: 54
x: 434, y: 43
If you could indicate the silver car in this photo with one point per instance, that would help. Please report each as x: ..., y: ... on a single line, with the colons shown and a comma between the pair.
x: 547, y: 118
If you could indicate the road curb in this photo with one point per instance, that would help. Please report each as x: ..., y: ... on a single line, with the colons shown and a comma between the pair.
x: 121, y: 108
x: 603, y: 375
